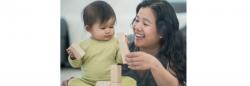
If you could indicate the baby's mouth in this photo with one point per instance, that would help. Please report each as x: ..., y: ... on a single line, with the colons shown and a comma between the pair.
x: 108, y: 36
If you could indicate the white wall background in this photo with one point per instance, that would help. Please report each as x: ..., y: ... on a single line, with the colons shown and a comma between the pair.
x: 124, y: 9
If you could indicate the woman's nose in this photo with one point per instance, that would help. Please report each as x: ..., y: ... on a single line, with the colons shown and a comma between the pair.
x: 137, y: 27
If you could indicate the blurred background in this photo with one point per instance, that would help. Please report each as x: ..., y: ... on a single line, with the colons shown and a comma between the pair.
x: 72, y: 27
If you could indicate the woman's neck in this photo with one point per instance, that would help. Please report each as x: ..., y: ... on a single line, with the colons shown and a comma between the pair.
x: 151, y: 50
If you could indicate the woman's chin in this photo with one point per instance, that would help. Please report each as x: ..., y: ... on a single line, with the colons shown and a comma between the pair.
x: 138, y: 43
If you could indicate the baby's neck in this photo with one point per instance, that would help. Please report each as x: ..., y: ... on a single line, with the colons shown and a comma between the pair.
x: 99, y: 40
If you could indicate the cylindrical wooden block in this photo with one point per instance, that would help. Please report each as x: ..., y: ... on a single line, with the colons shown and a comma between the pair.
x: 102, y: 83
x: 116, y: 73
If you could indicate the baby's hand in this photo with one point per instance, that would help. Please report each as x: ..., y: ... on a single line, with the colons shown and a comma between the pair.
x: 71, y: 55
x: 75, y: 52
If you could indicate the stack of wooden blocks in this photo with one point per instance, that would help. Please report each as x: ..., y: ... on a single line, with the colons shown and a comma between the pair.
x: 102, y: 83
x: 116, y: 77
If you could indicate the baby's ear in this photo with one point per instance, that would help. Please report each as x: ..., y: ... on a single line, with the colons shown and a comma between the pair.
x: 87, y: 27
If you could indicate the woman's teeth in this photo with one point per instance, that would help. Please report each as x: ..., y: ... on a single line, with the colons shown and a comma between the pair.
x: 139, y: 36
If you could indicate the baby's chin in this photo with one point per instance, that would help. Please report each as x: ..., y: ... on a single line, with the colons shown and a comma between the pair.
x: 106, y: 39
x: 103, y: 38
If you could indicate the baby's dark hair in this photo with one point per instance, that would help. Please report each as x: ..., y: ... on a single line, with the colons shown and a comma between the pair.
x: 98, y: 11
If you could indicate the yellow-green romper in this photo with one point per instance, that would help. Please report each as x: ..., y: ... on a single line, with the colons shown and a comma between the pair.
x: 95, y: 64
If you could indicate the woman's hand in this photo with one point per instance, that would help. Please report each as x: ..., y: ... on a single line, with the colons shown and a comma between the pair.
x: 140, y: 60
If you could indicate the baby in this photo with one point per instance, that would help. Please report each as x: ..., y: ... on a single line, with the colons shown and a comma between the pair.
x: 101, y: 50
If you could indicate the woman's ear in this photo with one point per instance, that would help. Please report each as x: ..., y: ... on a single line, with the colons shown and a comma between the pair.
x: 161, y: 36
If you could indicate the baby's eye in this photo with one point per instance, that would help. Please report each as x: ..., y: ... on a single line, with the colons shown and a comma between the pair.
x: 103, y: 28
x: 136, y: 20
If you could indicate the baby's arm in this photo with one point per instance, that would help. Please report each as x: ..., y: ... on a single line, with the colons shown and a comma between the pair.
x: 118, y: 57
x: 75, y: 55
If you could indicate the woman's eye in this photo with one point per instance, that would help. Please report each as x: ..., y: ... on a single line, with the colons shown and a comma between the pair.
x: 103, y: 28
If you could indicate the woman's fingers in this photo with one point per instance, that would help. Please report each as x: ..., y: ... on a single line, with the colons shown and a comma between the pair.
x: 134, y: 63
x: 140, y: 60
x: 133, y: 59
x: 133, y: 54
x: 136, y: 66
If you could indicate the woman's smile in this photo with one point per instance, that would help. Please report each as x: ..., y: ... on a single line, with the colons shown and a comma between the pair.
x: 139, y: 36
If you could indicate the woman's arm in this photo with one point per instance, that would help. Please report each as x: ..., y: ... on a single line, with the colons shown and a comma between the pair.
x: 144, y: 61
x: 162, y: 76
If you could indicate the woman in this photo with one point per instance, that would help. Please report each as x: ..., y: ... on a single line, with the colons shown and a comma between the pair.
x: 158, y: 53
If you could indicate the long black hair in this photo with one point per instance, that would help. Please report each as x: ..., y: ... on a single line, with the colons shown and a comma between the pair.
x: 172, y: 53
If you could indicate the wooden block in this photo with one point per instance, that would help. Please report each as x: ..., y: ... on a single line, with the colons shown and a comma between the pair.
x: 123, y: 46
x: 116, y: 74
x: 102, y: 83
x: 116, y: 84
x: 77, y: 50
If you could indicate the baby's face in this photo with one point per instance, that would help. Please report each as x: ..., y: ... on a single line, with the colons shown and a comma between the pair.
x: 103, y: 32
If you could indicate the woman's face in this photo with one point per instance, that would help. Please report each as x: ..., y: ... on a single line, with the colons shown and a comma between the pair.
x: 144, y: 28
